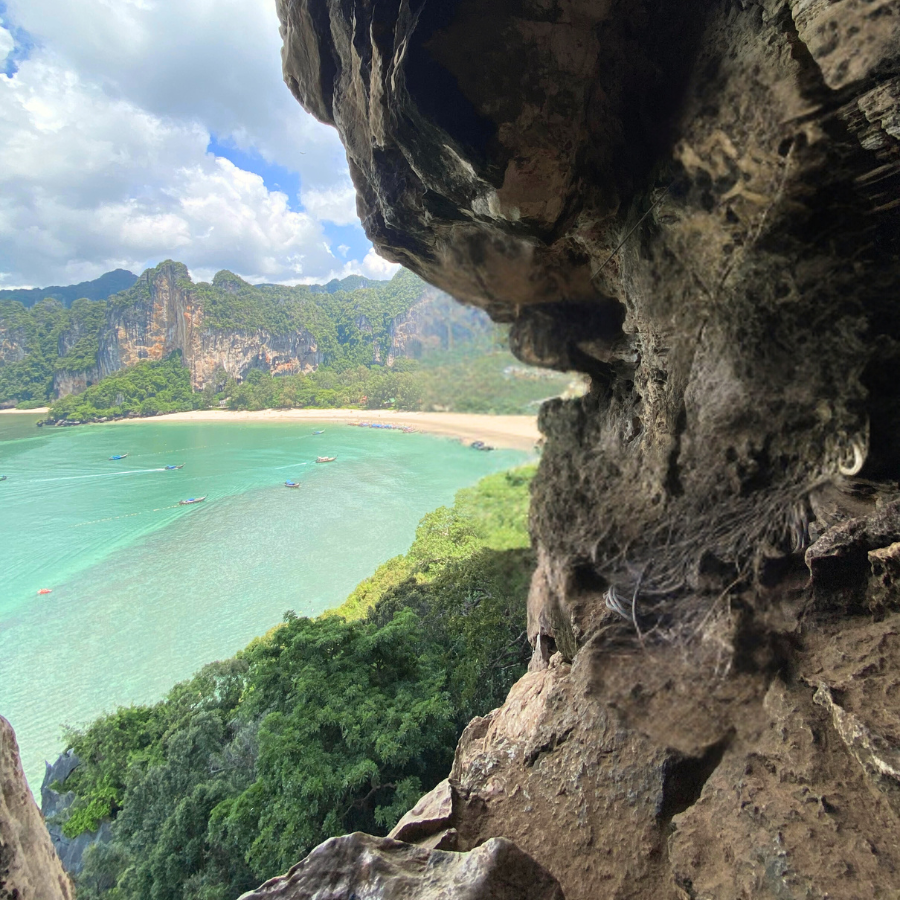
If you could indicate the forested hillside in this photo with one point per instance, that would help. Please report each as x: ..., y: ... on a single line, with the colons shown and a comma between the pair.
x: 98, y: 289
x: 227, y: 326
x: 319, y: 728
x: 37, y: 343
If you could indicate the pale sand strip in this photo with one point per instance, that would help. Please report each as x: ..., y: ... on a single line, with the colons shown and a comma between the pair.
x: 23, y: 412
x: 512, y: 432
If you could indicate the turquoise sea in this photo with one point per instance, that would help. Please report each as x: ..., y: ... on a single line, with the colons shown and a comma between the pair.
x: 145, y: 591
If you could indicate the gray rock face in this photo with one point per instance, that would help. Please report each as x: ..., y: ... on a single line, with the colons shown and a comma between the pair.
x: 65, y: 383
x: 54, y: 804
x: 369, y: 868
x: 29, y: 867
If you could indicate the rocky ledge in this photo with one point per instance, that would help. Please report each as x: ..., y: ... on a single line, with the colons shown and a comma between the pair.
x: 698, y: 205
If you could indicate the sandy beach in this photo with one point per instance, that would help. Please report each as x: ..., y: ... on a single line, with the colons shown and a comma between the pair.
x: 20, y: 412
x: 510, y: 432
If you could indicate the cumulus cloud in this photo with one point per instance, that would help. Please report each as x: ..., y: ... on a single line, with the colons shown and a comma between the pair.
x: 218, y: 63
x: 104, y: 136
x: 336, y: 204
x: 6, y: 44
x: 376, y: 267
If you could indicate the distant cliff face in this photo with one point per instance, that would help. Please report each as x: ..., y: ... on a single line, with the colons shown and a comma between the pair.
x: 12, y: 346
x: 235, y: 327
x: 436, y: 322
x: 238, y: 352
x: 165, y: 317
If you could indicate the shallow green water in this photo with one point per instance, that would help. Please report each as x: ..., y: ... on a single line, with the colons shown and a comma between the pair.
x: 145, y: 591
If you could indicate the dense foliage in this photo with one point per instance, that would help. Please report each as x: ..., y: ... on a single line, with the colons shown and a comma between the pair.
x: 319, y: 728
x: 148, y: 388
x: 351, y: 328
x: 52, y: 338
x: 490, y: 382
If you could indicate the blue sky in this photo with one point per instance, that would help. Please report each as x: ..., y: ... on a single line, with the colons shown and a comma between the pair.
x: 347, y: 241
x: 22, y: 44
x: 145, y: 129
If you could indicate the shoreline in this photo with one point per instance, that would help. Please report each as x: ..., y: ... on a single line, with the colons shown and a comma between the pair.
x: 506, y: 432
x: 25, y: 412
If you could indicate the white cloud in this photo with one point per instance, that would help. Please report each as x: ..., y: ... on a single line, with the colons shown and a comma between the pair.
x: 375, y: 267
x: 87, y: 184
x: 104, y: 132
x: 336, y: 205
x: 192, y: 60
x: 6, y: 44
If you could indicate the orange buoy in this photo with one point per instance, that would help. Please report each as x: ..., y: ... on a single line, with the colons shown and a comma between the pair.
x: 45, y: 591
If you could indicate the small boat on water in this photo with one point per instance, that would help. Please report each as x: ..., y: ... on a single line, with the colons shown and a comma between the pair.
x: 320, y: 459
x: 3, y: 477
x: 120, y: 456
x: 191, y: 500
x: 176, y: 467
x: 45, y: 591
x: 319, y: 432
x: 292, y: 484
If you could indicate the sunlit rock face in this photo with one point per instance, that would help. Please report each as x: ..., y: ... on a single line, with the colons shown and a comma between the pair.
x: 29, y: 866
x: 698, y: 205
x: 358, y: 865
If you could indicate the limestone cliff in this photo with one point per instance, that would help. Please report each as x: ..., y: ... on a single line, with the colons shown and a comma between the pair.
x: 219, y: 327
x: 697, y: 205
x: 12, y: 346
x: 29, y: 867
x: 435, y: 322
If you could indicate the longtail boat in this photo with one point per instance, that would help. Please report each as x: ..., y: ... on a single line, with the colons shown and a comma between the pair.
x: 120, y: 456
x: 176, y: 467
x: 292, y: 484
x: 320, y: 459
x: 191, y: 500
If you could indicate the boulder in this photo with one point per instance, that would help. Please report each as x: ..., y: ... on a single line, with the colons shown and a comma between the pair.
x: 369, y: 868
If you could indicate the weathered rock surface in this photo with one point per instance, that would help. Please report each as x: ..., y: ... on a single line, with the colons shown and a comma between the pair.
x: 383, y: 869
x: 29, y: 867
x: 657, y: 774
x: 694, y: 206
x: 54, y: 805
x: 698, y: 205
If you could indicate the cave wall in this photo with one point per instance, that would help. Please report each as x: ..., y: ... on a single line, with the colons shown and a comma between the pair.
x: 698, y: 205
